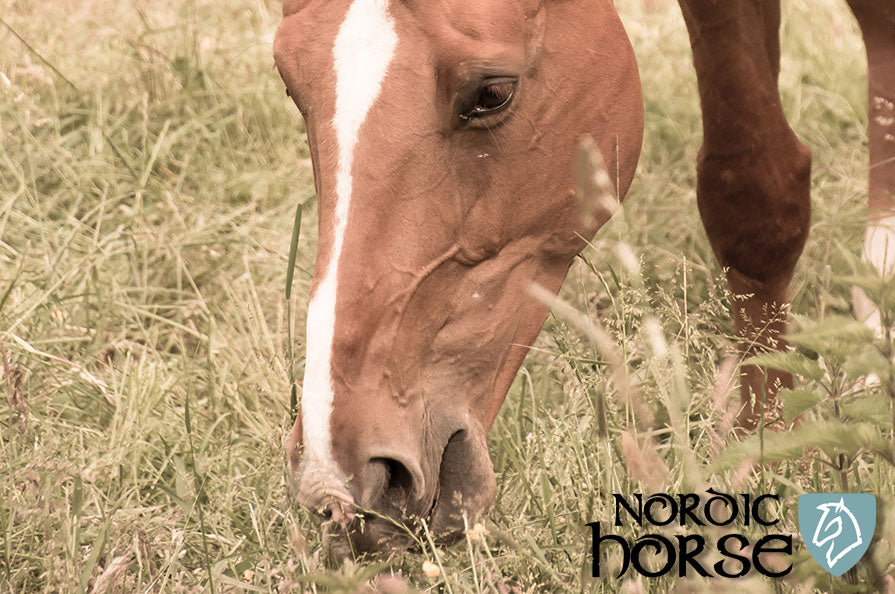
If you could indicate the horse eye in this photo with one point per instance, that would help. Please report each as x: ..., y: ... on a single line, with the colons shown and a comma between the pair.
x: 492, y: 96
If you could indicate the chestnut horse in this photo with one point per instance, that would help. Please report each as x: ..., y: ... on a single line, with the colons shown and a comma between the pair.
x: 443, y: 135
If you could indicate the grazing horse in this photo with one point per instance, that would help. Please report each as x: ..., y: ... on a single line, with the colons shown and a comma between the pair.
x: 443, y: 135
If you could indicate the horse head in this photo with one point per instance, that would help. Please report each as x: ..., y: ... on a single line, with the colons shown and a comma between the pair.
x: 443, y: 135
x: 837, y: 528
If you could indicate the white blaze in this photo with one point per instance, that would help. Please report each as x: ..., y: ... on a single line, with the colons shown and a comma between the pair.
x: 362, y: 52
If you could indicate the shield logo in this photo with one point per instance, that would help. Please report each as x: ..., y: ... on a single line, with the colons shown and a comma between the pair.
x: 837, y: 528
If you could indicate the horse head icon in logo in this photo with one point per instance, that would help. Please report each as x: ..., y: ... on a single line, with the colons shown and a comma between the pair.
x: 837, y: 520
x: 841, y: 526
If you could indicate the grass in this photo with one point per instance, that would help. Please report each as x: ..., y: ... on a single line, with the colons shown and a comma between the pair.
x: 145, y: 220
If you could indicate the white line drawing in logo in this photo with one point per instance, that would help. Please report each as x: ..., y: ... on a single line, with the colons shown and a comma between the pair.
x: 833, y: 528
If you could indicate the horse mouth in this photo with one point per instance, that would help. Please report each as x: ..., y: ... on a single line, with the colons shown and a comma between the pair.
x: 359, y: 531
x: 369, y: 533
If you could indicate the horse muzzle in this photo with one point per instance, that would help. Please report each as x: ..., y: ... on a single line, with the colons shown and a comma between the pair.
x: 401, y: 495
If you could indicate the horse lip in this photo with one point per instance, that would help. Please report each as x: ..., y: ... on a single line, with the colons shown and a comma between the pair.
x: 328, y: 502
x: 322, y: 490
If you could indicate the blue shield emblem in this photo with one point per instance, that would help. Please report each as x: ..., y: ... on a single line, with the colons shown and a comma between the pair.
x: 837, y: 528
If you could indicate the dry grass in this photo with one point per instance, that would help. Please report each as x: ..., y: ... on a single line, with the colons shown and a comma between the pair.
x: 145, y: 215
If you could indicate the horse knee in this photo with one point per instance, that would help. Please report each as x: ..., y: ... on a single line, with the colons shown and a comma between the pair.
x: 755, y: 205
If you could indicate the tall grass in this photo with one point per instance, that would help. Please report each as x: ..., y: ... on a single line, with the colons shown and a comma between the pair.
x: 145, y: 220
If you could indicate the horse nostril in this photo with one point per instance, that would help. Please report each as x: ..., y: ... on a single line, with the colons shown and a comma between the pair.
x: 453, y: 458
x: 466, y: 483
x: 389, y: 483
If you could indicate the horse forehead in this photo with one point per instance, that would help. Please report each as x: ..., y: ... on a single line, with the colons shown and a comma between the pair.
x: 494, y: 20
x: 501, y: 21
x: 454, y: 28
x: 304, y: 39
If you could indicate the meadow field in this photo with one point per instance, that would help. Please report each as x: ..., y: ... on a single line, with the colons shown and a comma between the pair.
x: 150, y: 168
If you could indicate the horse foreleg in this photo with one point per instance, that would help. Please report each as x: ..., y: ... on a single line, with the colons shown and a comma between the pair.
x: 753, y: 178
